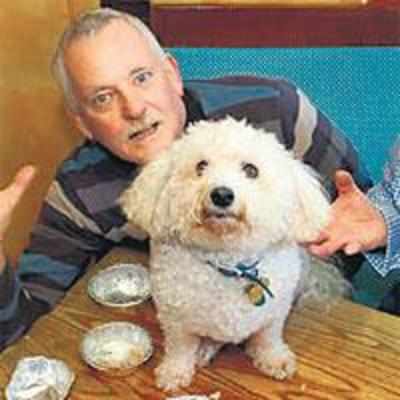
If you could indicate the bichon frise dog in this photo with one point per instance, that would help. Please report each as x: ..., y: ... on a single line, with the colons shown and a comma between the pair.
x: 225, y: 207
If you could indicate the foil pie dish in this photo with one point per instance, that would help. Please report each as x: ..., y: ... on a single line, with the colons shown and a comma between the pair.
x: 116, y: 348
x: 121, y: 285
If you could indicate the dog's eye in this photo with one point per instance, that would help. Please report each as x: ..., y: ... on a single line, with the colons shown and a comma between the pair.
x: 201, y: 166
x: 250, y: 170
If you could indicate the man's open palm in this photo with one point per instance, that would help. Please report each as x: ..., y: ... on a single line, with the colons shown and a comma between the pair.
x: 10, y: 196
x: 355, y: 225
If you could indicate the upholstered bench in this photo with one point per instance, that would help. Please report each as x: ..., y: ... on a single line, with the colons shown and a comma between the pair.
x: 358, y: 87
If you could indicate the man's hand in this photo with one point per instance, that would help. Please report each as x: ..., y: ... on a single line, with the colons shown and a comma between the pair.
x: 355, y: 225
x: 9, y: 197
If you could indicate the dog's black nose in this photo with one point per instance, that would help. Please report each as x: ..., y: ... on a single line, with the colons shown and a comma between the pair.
x: 222, y: 196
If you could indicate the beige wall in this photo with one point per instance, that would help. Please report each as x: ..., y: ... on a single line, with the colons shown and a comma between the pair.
x: 33, y: 126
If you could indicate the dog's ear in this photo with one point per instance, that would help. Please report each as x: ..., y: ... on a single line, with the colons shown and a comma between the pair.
x: 312, y: 211
x: 140, y: 200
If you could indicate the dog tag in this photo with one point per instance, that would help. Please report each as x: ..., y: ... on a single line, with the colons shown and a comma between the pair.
x: 255, y: 294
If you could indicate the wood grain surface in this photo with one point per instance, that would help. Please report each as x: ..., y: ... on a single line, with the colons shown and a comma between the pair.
x: 349, y: 353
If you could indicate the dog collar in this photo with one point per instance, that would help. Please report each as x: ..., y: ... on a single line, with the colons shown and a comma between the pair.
x: 255, y: 290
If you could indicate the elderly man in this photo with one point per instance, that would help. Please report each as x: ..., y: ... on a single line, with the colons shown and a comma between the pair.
x: 126, y: 96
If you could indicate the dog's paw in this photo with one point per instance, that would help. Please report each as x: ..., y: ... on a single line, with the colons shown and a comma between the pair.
x: 170, y: 375
x: 279, y: 363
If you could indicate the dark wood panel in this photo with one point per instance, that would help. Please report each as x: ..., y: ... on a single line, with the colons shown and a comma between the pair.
x: 140, y: 8
x: 273, y: 27
x: 377, y: 24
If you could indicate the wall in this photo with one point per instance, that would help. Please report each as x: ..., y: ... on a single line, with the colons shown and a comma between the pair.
x: 33, y: 126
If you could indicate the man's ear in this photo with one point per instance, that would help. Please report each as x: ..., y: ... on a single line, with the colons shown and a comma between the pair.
x: 79, y: 124
x: 174, y: 73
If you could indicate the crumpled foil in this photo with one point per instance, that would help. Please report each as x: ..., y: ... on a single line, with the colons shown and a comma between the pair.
x: 214, y: 396
x: 40, y: 378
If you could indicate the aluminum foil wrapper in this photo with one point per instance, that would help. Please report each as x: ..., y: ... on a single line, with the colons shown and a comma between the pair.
x: 116, y: 348
x: 120, y: 285
x: 40, y: 378
x: 214, y: 396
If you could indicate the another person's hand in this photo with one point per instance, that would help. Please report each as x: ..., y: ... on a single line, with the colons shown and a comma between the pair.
x: 9, y: 198
x: 355, y: 224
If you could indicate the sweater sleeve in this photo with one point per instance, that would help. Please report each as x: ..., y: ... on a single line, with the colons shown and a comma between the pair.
x: 63, y: 243
x: 317, y: 141
x: 385, y: 196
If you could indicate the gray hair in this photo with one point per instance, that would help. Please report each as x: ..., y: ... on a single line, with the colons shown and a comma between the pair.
x: 89, y: 24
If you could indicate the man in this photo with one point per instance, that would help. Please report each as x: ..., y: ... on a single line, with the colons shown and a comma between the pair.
x: 368, y: 224
x: 126, y: 96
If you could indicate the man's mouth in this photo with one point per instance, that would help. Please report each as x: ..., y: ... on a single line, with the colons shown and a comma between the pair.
x: 144, y: 133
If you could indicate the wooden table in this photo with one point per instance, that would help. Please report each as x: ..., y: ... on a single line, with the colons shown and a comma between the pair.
x: 350, y: 353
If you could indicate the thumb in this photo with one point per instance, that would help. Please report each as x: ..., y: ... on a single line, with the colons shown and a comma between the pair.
x: 21, y: 182
x: 352, y: 248
x: 344, y: 182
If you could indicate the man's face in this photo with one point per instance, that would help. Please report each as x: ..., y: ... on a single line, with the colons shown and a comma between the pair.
x: 130, y: 99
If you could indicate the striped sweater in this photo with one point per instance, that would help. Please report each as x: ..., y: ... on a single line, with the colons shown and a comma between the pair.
x: 80, y: 220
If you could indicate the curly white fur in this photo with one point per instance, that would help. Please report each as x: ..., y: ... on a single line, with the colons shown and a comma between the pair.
x: 225, y: 193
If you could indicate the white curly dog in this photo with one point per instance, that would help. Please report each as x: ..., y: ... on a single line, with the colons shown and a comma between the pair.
x: 226, y: 207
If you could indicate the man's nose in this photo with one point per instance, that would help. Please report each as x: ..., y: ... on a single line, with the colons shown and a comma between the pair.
x: 133, y: 106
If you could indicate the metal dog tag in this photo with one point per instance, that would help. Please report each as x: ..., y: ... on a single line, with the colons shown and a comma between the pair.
x: 255, y: 294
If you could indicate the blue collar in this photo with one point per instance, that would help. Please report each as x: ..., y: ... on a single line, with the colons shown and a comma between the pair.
x: 241, y: 270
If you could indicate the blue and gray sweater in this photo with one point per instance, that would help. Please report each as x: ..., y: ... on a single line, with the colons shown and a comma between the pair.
x: 80, y: 220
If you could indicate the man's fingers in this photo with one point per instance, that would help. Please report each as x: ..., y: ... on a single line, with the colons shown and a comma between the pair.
x: 322, y: 237
x: 328, y: 247
x: 344, y: 182
x: 21, y: 182
x: 319, y: 251
x: 352, y: 248
x: 322, y: 250
x: 25, y: 175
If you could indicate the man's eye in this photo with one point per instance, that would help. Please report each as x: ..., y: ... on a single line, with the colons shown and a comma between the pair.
x: 143, y: 77
x: 102, y: 99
